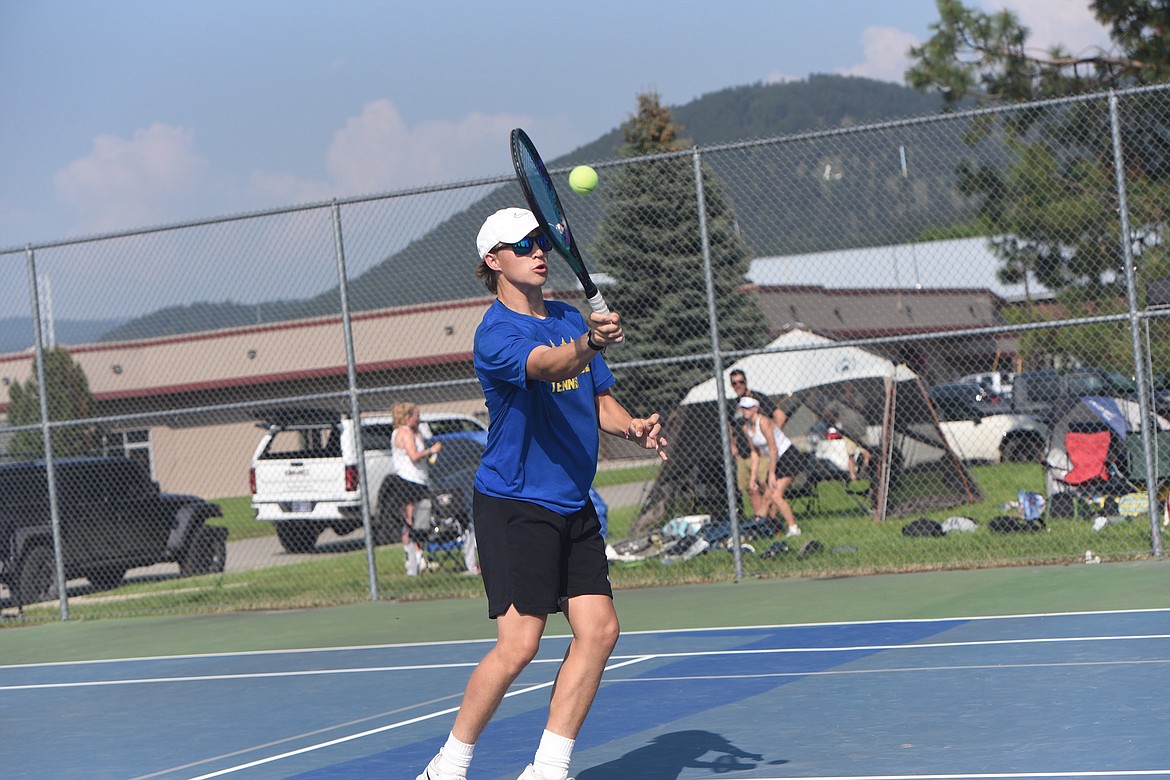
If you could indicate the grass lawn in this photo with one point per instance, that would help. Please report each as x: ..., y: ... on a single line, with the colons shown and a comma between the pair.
x: 238, y: 519
x: 852, y: 543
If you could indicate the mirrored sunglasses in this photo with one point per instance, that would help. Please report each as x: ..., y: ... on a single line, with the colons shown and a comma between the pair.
x: 525, y: 245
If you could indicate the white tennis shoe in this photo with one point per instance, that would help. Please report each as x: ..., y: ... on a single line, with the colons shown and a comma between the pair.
x: 793, y: 530
x: 430, y: 774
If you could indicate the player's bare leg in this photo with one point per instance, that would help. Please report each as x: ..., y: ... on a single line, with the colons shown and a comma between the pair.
x: 594, y: 623
x: 517, y: 640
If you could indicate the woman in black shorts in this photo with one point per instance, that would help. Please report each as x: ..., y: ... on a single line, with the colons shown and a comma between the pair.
x: 784, y: 459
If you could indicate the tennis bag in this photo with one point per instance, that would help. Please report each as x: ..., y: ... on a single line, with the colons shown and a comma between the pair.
x: 923, y: 526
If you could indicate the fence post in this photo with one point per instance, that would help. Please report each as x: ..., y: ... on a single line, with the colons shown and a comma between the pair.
x: 46, y: 431
x: 355, y: 411
x: 1135, y: 325
x: 717, y: 360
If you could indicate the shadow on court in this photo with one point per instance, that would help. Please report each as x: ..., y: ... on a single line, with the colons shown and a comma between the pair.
x: 668, y: 755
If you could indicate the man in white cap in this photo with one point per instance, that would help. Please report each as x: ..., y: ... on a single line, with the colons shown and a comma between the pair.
x: 547, y: 386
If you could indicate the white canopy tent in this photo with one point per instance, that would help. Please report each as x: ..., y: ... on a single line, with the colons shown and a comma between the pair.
x: 902, y: 428
x: 799, y: 360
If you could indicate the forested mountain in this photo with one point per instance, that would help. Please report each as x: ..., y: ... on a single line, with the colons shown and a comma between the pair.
x: 17, y: 334
x: 765, y: 183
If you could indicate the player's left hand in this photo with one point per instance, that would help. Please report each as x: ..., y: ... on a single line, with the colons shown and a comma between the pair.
x: 646, y: 431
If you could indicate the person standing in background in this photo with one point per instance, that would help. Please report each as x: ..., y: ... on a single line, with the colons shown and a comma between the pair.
x: 408, y: 456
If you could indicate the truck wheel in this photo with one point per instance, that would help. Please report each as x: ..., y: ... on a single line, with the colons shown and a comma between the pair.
x: 207, y: 552
x: 297, y: 537
x: 36, y: 580
x: 106, y: 577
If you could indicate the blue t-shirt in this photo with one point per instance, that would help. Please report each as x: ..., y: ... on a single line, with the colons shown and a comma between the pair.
x: 542, y: 436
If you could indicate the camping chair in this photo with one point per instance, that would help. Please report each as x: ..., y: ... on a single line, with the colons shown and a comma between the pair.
x: 1092, y: 473
x: 439, y: 538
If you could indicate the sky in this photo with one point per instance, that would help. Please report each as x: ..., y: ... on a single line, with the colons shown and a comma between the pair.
x: 121, y: 114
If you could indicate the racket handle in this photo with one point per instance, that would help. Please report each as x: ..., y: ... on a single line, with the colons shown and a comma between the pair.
x: 597, y: 303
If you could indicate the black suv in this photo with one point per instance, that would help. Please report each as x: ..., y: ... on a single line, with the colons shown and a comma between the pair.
x: 112, y: 518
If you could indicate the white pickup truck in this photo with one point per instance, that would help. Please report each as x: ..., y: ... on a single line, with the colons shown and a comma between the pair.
x: 304, y: 475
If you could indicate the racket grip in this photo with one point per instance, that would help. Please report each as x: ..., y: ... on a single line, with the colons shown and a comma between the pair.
x: 597, y: 303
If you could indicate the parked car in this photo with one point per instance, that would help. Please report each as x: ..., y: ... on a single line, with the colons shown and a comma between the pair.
x: 113, y: 518
x: 304, y: 475
x: 969, y: 395
x: 980, y: 429
x: 1035, y: 392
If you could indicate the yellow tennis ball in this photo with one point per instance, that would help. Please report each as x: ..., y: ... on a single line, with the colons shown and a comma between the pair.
x: 583, y: 179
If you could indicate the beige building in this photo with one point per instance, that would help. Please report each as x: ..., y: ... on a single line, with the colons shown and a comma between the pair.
x: 224, y: 381
x: 189, y: 405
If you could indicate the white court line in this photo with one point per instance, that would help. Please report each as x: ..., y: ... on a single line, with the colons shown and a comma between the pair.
x: 388, y: 727
x: 648, y: 632
x: 644, y: 658
x: 882, y: 670
x: 661, y: 655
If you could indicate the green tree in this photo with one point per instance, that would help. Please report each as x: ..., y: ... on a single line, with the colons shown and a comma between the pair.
x: 650, y: 242
x: 1048, y: 192
x: 69, y: 398
x: 986, y: 56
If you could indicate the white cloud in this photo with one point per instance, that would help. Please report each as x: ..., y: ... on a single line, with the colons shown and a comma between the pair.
x: 284, y: 188
x: 377, y: 151
x: 1067, y: 22
x: 886, y: 51
x: 124, y: 183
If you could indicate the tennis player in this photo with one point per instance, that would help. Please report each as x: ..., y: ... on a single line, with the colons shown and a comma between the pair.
x: 540, y: 546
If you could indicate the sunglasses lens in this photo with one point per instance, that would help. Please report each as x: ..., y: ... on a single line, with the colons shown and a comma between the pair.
x: 525, y: 245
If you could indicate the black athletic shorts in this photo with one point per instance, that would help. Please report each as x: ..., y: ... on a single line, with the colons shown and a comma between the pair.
x: 535, y: 558
x: 790, y: 463
x: 404, y: 492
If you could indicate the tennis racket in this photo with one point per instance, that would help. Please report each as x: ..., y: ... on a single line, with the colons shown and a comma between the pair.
x: 546, y: 206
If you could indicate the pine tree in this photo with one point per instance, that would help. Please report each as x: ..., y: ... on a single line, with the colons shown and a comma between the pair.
x: 69, y: 399
x: 1051, y: 201
x: 650, y: 242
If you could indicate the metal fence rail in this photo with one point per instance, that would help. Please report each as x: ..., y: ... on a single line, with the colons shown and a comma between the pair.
x: 855, y: 275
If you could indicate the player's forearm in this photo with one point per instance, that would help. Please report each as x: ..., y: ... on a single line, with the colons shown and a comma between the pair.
x: 557, y: 364
x: 612, y: 417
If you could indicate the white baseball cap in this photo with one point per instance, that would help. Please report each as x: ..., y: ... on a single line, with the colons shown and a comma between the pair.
x: 747, y: 402
x: 506, y: 226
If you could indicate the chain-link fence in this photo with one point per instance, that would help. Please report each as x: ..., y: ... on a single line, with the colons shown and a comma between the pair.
x: 956, y: 323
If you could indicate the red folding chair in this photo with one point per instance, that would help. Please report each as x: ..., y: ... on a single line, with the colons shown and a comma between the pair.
x: 1089, y: 455
x: 1089, y: 475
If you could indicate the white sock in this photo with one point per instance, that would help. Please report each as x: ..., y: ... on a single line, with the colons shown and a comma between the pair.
x: 552, y: 756
x: 454, y: 758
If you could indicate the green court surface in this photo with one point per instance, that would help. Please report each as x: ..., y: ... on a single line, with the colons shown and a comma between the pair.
x: 1005, y: 591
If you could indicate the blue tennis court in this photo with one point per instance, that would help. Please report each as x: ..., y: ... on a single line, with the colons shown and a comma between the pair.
x: 1059, y: 695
